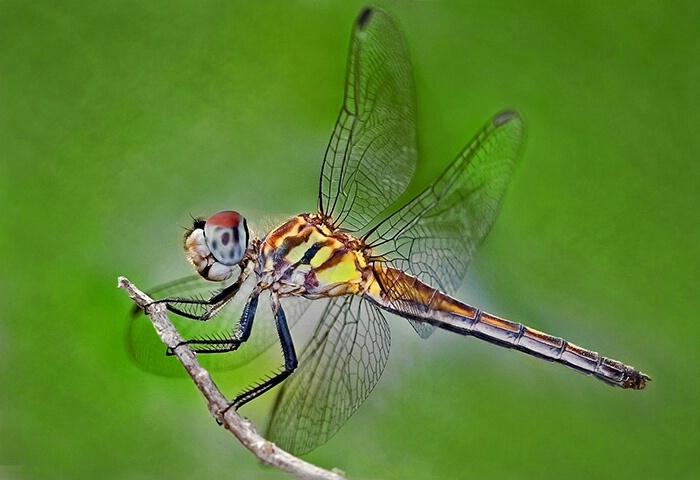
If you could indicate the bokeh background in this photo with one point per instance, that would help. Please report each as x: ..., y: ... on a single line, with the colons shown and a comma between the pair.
x: 119, y: 119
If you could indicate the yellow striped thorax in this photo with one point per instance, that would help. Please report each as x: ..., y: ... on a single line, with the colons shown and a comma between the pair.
x: 306, y: 256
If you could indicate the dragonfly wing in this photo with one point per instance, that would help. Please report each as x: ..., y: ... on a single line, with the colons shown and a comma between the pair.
x: 371, y: 156
x: 435, y: 235
x: 148, y: 352
x: 337, y: 370
x: 424, y: 330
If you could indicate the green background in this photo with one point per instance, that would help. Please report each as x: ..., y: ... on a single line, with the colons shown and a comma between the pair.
x: 119, y: 119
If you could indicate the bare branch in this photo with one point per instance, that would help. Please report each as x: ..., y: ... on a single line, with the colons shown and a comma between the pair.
x: 244, y: 430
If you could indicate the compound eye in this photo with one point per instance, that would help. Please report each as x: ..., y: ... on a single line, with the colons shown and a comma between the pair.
x: 226, y: 234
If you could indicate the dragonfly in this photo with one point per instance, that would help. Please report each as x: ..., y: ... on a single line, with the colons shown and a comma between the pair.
x: 359, y: 254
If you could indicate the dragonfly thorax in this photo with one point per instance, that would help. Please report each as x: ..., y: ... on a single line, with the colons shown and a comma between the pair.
x: 307, y: 256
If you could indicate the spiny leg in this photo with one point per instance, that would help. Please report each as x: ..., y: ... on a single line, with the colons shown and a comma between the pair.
x: 290, y: 360
x: 214, y: 303
x: 240, y: 335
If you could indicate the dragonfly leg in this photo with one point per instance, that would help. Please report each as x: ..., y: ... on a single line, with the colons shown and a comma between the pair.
x: 214, y: 303
x: 240, y: 335
x: 290, y: 360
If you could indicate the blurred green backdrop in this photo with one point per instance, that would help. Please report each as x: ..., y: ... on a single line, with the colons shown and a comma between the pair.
x: 118, y: 119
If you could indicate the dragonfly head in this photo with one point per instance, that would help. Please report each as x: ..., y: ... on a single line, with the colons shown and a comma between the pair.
x: 216, y: 245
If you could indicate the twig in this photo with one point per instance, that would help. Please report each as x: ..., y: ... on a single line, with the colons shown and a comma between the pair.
x: 244, y: 430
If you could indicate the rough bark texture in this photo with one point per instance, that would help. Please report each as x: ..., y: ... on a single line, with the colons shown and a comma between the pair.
x: 266, y: 451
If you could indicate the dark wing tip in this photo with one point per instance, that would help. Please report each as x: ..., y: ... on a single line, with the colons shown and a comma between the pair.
x: 504, y: 117
x: 364, y: 17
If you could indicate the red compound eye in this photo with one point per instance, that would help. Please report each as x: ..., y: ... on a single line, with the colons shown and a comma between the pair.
x: 226, y: 218
x: 226, y: 234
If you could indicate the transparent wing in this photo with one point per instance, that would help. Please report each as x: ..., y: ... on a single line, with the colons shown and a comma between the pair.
x: 372, y: 152
x: 338, y: 369
x: 148, y: 352
x: 435, y: 235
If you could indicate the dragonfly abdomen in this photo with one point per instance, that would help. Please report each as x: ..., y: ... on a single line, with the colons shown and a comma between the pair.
x: 517, y: 336
x: 409, y: 297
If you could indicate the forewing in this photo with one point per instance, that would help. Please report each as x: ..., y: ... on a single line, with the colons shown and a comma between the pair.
x: 435, y: 235
x: 372, y: 152
x: 148, y: 352
x: 337, y: 370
